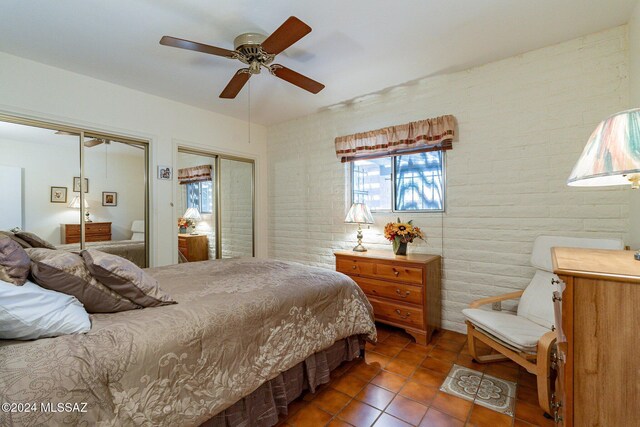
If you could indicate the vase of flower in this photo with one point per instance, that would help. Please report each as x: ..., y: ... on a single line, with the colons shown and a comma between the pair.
x: 400, y: 234
x: 399, y: 248
x: 184, y: 224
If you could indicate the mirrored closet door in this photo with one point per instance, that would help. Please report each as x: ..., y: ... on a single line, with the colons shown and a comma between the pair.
x: 215, y: 206
x: 74, y: 189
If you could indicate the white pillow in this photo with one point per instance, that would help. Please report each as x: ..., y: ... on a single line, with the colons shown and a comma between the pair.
x: 137, y: 237
x: 29, y: 312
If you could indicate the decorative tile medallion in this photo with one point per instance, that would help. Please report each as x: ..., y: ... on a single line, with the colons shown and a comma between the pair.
x: 485, y: 390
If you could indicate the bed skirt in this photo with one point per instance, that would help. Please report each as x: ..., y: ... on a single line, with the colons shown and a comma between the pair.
x: 262, y: 407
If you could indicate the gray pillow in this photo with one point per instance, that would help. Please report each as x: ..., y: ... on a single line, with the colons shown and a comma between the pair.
x: 14, y: 262
x: 15, y: 238
x: 125, y: 278
x: 33, y: 240
x: 65, y: 272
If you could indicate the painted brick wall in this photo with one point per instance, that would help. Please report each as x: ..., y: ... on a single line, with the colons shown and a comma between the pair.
x: 237, y: 208
x: 522, y: 122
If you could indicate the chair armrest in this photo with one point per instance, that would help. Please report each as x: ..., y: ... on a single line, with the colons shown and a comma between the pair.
x: 491, y: 300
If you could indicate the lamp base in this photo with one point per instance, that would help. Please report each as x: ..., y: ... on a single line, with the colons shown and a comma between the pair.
x: 359, y: 248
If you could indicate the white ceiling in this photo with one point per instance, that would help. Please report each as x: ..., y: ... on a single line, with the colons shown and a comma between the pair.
x: 357, y: 47
x: 10, y: 132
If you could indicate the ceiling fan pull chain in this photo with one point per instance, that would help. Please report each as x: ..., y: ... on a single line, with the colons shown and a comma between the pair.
x: 249, y: 97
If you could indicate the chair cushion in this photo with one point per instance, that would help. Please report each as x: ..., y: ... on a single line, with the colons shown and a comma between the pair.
x: 541, y: 254
x: 536, y: 304
x: 137, y: 226
x: 516, y: 331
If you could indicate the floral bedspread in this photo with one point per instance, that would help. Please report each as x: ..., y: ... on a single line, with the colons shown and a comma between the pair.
x: 237, y: 324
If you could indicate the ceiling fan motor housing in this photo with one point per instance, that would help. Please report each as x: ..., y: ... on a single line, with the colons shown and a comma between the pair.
x: 250, y: 46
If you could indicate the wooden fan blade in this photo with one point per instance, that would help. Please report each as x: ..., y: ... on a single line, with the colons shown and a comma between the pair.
x: 287, y: 34
x: 198, y: 47
x: 235, y: 84
x: 297, y: 79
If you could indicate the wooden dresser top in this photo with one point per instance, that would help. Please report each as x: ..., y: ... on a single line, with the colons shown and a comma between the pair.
x: 388, y: 255
x: 596, y: 263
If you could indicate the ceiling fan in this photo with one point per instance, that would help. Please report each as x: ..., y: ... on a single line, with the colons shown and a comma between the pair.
x: 257, y: 51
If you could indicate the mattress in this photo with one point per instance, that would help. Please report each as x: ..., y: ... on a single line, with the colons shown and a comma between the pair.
x: 238, y: 324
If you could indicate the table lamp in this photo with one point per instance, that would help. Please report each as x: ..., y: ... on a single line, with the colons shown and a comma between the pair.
x: 75, y: 203
x: 359, y: 214
x: 194, y: 214
x: 612, y: 154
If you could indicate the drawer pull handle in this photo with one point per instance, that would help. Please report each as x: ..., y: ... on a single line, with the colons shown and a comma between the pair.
x: 396, y: 272
x: 400, y: 314
x: 354, y: 267
x: 406, y: 293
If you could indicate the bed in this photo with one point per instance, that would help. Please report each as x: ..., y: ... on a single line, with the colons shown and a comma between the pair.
x: 244, y: 339
x: 133, y: 250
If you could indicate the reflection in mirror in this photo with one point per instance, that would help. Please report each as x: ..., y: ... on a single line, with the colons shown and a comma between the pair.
x: 195, y: 207
x: 40, y: 189
x: 115, y: 175
x: 236, y: 207
x: 37, y: 167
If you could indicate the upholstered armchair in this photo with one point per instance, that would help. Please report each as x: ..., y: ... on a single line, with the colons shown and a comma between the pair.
x: 528, y: 335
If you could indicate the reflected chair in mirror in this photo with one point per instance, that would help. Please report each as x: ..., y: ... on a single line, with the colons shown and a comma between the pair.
x: 528, y: 336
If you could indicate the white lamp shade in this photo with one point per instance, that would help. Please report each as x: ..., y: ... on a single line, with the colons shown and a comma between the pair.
x: 75, y: 203
x: 359, y: 214
x: 612, y: 154
x: 192, y: 213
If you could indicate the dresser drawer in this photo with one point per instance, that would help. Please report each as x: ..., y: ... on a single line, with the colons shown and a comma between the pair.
x: 353, y: 266
x: 397, y: 291
x: 97, y: 237
x: 97, y: 228
x: 398, y: 272
x: 397, y: 313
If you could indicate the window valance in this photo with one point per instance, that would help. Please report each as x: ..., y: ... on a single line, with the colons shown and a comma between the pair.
x: 194, y: 174
x: 415, y: 137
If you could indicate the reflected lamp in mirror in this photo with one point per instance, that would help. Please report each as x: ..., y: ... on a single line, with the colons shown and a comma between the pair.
x: 359, y: 214
x: 612, y: 155
x: 194, y: 214
x: 75, y: 204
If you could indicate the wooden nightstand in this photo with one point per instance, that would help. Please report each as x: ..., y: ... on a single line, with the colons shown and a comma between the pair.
x: 93, y: 232
x: 403, y: 290
x: 194, y: 247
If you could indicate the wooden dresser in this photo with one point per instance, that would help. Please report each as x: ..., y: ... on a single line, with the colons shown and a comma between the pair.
x: 598, y: 366
x: 403, y: 290
x: 93, y: 232
x: 194, y: 247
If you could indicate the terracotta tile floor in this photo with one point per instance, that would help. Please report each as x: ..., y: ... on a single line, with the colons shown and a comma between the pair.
x: 398, y: 385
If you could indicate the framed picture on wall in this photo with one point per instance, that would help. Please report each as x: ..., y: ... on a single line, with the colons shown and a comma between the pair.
x: 58, y: 194
x: 109, y: 198
x: 76, y: 184
x: 165, y: 172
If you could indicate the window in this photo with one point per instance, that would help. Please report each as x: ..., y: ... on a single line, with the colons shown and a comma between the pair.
x: 413, y: 182
x: 199, y: 196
